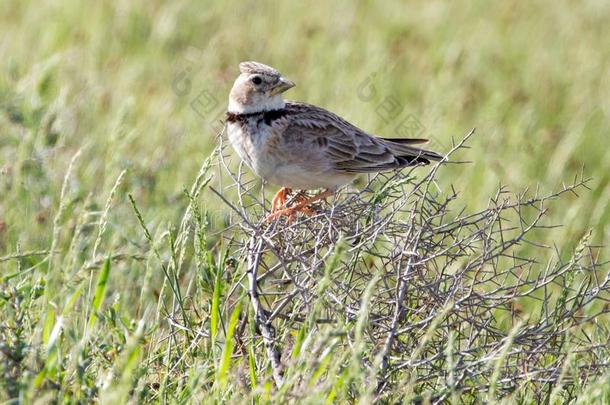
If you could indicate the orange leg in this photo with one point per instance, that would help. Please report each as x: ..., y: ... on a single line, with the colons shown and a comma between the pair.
x: 300, y: 198
x: 279, y: 199
x: 300, y: 206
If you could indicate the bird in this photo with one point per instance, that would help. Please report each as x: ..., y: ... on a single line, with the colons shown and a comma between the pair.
x: 297, y: 145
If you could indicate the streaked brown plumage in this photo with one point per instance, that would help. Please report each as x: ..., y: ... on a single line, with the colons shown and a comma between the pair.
x: 299, y: 145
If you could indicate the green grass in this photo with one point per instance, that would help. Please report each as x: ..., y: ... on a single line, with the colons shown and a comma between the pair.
x: 110, y: 109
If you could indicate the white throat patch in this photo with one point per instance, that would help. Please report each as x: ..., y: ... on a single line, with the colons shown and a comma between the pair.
x: 270, y: 103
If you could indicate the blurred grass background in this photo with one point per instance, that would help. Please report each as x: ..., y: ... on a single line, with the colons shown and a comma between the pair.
x: 139, y: 86
x: 118, y: 81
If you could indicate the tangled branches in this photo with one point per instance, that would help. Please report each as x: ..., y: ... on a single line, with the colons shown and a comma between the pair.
x: 431, y: 300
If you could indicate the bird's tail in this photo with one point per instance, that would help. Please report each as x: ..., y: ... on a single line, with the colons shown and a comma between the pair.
x: 409, y: 155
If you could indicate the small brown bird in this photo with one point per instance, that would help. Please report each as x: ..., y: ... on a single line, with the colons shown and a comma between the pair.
x: 301, y: 146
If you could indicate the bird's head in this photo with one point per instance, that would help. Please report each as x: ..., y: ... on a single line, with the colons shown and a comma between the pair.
x: 258, y: 88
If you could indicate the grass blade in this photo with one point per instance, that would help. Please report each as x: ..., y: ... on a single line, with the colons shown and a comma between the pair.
x: 100, y: 291
x: 227, y: 350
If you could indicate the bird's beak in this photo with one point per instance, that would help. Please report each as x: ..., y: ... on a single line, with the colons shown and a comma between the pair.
x: 282, y: 86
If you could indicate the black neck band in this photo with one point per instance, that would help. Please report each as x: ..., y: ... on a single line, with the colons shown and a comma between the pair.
x: 267, y: 116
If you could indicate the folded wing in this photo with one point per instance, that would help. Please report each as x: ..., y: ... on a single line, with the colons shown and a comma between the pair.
x: 321, y: 137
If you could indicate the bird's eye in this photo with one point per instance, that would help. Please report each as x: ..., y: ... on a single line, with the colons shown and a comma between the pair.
x: 257, y: 80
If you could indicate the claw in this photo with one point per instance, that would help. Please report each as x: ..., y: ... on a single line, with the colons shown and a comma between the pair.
x: 279, y: 199
x: 304, y: 209
x: 301, y: 205
x: 290, y: 212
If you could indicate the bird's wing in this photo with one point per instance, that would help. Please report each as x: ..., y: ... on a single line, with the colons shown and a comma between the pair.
x: 317, y: 135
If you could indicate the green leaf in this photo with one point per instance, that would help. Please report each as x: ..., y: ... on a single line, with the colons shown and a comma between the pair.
x: 48, y: 325
x: 215, y: 306
x: 71, y: 301
x: 252, y: 366
x: 227, y: 350
x: 298, y: 342
x: 100, y: 291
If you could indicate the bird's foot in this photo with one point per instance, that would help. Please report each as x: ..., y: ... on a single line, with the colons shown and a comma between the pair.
x: 301, y: 205
x: 290, y: 212
x: 280, y: 198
